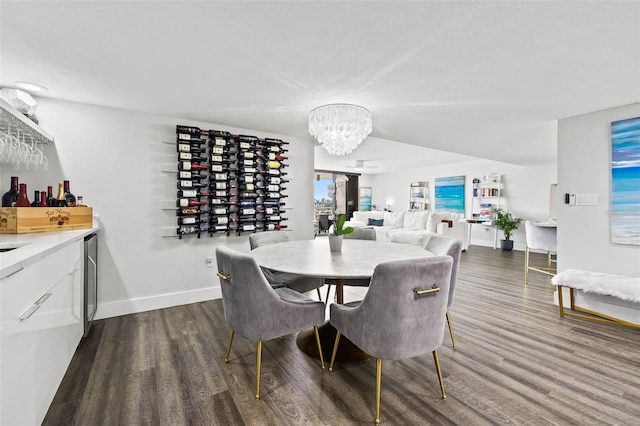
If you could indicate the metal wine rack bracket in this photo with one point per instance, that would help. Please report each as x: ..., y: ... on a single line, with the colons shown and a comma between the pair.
x: 14, y: 123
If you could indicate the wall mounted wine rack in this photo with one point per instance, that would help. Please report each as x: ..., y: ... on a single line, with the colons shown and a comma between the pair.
x: 229, y: 184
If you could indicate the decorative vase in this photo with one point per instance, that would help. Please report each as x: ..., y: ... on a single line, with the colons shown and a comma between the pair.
x: 335, y: 243
x: 506, y: 245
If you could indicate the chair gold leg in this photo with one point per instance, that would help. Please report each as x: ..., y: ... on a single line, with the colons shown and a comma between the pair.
x: 526, y: 265
x: 437, y: 361
x: 258, y: 366
x: 335, y: 349
x: 453, y: 341
x: 315, y: 329
x: 226, y: 358
x: 378, y: 386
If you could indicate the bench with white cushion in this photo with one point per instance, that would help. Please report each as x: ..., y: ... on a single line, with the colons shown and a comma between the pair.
x: 611, y: 285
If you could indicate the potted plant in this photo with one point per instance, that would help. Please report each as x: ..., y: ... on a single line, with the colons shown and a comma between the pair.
x: 337, y: 231
x: 507, y: 224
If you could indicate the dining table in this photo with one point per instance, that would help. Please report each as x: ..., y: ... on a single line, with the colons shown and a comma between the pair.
x: 313, y: 258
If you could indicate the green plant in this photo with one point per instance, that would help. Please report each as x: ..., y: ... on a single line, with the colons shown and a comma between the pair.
x: 505, y: 222
x: 338, y: 226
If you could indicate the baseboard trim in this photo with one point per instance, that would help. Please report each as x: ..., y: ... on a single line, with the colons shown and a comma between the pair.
x: 132, y: 306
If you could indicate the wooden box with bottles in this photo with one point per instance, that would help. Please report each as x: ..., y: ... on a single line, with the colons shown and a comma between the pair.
x: 24, y: 220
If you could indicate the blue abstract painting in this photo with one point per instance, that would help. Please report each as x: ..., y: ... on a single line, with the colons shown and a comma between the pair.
x: 625, y: 181
x: 449, y: 194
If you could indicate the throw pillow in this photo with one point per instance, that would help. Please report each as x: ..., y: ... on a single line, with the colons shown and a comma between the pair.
x: 375, y: 222
x: 435, y: 219
x: 415, y: 219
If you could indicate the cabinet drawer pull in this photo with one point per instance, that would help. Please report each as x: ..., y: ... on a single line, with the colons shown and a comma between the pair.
x: 13, y: 273
x: 29, y: 312
x: 43, y: 298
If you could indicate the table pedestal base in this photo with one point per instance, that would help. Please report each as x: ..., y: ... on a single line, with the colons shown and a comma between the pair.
x: 347, y: 351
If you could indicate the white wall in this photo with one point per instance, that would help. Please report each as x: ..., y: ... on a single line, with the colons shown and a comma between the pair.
x: 526, y: 191
x: 584, y: 166
x: 114, y: 158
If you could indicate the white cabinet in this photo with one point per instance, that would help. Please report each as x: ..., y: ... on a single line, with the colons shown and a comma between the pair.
x: 41, y: 328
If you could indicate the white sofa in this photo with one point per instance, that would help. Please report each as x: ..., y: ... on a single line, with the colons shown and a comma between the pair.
x: 412, y: 226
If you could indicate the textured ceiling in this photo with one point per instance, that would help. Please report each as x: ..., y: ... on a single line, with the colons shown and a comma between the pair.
x: 484, y: 79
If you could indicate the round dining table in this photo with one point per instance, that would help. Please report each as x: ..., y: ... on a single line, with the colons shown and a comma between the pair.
x: 357, y: 259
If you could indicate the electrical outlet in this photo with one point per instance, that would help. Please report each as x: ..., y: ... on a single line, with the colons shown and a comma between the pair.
x: 210, y: 262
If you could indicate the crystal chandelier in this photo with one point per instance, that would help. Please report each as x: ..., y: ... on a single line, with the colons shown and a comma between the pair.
x: 340, y: 128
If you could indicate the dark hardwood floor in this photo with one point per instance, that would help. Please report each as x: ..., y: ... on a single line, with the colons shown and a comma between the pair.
x: 516, y: 362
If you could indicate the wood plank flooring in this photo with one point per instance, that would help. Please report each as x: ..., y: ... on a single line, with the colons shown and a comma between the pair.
x: 516, y: 362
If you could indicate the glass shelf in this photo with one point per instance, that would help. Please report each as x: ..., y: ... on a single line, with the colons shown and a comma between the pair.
x: 14, y: 123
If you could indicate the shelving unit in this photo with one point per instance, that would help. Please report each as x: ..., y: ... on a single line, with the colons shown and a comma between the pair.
x: 418, y: 196
x: 14, y: 123
x: 487, y: 192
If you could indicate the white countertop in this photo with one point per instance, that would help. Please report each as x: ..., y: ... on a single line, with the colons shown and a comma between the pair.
x: 34, y: 246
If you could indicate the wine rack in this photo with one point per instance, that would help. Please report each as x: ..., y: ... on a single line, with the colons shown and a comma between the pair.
x: 229, y: 183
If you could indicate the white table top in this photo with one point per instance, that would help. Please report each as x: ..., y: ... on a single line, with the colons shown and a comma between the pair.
x: 313, y: 258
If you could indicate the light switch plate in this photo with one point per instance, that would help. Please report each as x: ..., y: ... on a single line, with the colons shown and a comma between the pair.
x: 586, y: 199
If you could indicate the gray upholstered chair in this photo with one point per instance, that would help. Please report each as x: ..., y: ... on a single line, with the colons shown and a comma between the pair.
x: 357, y: 234
x: 401, y: 316
x: 277, y: 279
x: 256, y: 311
x: 544, y: 239
x: 447, y: 246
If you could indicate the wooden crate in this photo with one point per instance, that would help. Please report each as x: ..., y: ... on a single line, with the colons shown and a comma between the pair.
x: 24, y: 220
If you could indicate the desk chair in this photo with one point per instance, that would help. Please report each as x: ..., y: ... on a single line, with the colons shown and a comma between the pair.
x: 540, y: 238
x: 256, y: 311
x: 401, y: 316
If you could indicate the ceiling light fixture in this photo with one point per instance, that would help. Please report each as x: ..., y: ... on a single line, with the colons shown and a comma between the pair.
x: 31, y: 87
x: 340, y: 128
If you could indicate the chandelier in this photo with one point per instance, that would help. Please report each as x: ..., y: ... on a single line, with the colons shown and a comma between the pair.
x: 340, y: 128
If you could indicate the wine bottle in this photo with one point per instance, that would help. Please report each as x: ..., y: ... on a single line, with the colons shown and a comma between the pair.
x: 23, y: 200
x: 219, y: 176
x: 247, y: 227
x: 220, y: 159
x: 51, y: 200
x: 189, y: 202
x: 191, y: 175
x: 273, y: 218
x: 188, y: 156
x: 191, y: 193
x: 219, y: 211
x: 275, y: 188
x: 218, y: 141
x: 247, y: 155
x: 10, y: 197
x: 190, y: 230
x: 220, y: 220
x: 219, y: 228
x: 190, y: 220
x: 271, y: 141
x: 61, y: 200
x: 274, y: 156
x: 43, y: 199
x: 218, y: 202
x: 277, y: 181
x: 219, y: 185
x: 273, y: 226
x: 247, y: 187
x: 193, y: 148
x: 217, y: 150
x: 71, y: 199
x: 36, y: 199
x: 190, y: 184
x: 188, y: 211
x: 188, y: 130
x: 188, y: 165
x: 221, y: 193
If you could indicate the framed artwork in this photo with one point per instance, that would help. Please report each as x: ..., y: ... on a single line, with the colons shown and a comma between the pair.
x: 364, y: 195
x: 449, y: 194
x: 625, y: 182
